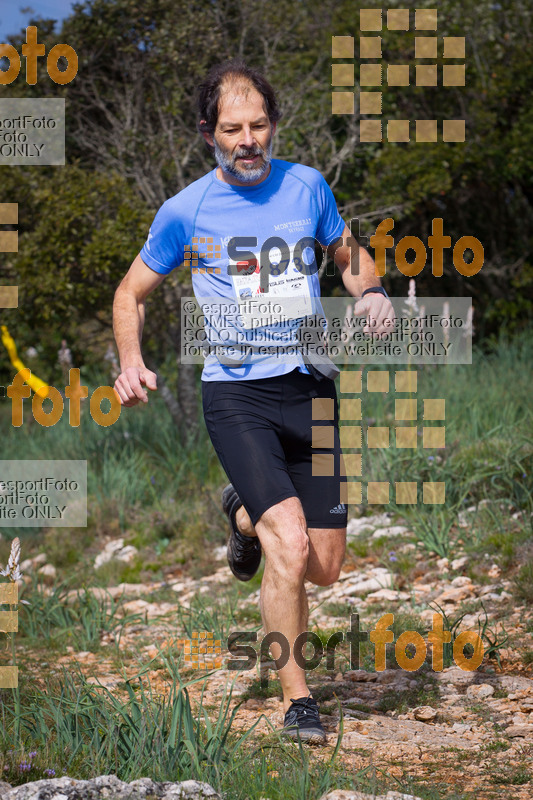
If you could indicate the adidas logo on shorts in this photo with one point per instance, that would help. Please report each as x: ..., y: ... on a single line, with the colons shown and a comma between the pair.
x: 340, y: 509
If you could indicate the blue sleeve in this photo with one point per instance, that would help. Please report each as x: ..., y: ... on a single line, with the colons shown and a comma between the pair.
x: 331, y: 224
x: 163, y: 249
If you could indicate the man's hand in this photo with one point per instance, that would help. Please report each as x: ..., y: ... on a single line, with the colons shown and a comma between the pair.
x: 129, y: 385
x: 379, y: 311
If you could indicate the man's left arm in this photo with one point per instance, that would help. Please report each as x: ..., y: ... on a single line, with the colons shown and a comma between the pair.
x: 374, y: 304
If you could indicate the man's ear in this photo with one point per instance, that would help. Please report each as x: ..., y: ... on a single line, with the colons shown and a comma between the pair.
x: 274, y: 125
x: 208, y: 138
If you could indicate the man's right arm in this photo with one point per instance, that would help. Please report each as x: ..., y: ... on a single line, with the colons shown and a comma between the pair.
x: 128, y: 322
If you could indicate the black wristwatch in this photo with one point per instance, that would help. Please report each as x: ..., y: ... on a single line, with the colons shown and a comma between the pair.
x: 379, y: 289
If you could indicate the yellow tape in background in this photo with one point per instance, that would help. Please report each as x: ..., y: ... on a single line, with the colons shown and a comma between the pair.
x: 39, y: 387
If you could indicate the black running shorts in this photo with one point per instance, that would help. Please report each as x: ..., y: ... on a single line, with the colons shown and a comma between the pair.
x: 261, y: 431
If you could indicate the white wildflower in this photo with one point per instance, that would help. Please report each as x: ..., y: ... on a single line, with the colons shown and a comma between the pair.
x: 112, y: 358
x: 421, y: 315
x: 64, y: 356
x: 411, y: 298
x: 12, y: 570
x: 469, y: 324
x: 345, y: 335
x: 446, y: 322
x: 31, y: 352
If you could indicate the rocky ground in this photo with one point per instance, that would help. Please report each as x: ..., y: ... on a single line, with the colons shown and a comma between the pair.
x: 472, y: 730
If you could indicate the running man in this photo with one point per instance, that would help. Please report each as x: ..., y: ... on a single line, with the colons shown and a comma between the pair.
x: 257, y: 400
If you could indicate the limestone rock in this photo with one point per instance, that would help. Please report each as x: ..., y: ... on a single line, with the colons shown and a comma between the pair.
x: 359, y: 525
x: 115, y: 549
x: 359, y: 676
x: 30, y: 563
x: 455, y: 594
x: 479, y: 691
x: 351, y: 794
x: 390, y: 530
x: 523, y: 730
x: 110, y: 787
x: 378, y: 578
x: 462, y: 580
x: 459, y: 563
x: 389, y: 595
x: 47, y: 571
x: 425, y: 713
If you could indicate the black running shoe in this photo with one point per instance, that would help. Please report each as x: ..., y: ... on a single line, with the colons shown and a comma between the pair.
x: 244, y: 552
x: 303, y: 720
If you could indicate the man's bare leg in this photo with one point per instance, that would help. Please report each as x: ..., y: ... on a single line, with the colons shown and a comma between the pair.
x: 292, y: 555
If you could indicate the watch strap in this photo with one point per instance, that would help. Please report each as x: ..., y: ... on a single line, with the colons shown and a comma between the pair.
x: 379, y: 289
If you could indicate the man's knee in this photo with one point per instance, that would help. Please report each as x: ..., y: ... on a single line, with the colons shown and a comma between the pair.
x: 282, y: 531
x: 323, y: 575
x: 328, y: 548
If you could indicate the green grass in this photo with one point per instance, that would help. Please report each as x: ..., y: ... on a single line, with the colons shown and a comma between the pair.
x: 402, y: 700
x: 162, y: 495
x: 523, y: 583
x: 49, y: 616
x: 489, y: 445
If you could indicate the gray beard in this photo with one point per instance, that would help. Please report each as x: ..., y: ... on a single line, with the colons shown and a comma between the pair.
x: 245, y: 174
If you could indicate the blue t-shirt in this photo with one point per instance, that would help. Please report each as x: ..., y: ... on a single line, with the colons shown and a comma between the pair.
x: 251, y: 327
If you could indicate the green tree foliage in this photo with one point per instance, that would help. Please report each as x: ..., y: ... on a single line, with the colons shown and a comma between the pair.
x: 132, y: 143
